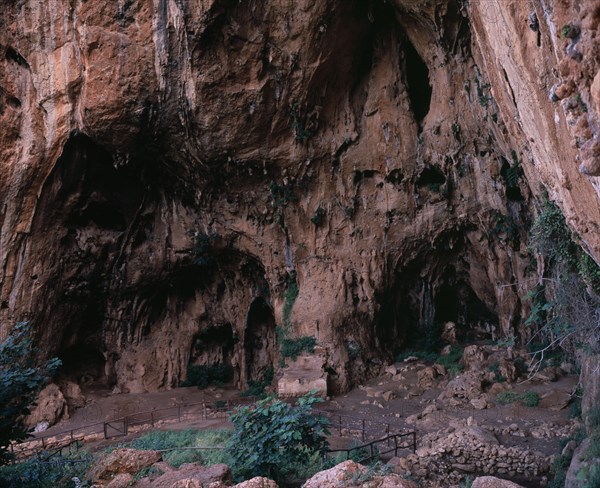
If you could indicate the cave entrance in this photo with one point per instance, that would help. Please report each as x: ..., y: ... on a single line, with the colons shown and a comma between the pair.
x: 213, y: 346
x: 455, y: 301
x: 260, y: 343
x: 417, y: 80
x: 84, y: 365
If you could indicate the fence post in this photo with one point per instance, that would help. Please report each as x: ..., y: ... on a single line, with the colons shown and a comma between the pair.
x: 105, y: 433
x: 414, y: 436
x: 371, y: 447
x: 126, y: 425
x: 178, y: 413
x: 340, y: 425
x: 387, y: 434
x: 396, y: 446
x: 152, y: 418
x: 363, y: 430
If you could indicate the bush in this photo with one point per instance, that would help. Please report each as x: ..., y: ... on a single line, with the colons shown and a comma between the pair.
x: 203, y: 375
x: 257, y: 388
x: 20, y: 382
x: 59, y: 474
x: 530, y: 399
x: 271, y: 437
x: 507, y: 397
x: 292, y: 348
x: 451, y: 361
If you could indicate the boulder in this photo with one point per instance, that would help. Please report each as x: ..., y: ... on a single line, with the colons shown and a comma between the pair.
x: 258, y: 482
x: 122, y: 461
x: 449, y: 333
x: 123, y: 480
x: 347, y: 474
x: 493, y: 482
x: 465, y: 386
x: 51, y: 407
x: 73, y: 395
x: 555, y: 400
x: 473, y: 358
x: 191, y: 475
x: 426, y: 377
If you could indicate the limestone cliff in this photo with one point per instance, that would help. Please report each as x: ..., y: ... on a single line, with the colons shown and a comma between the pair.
x: 170, y: 168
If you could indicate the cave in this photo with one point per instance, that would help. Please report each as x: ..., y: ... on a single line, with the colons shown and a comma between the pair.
x: 84, y: 365
x: 260, y: 340
x: 455, y: 301
x: 213, y: 346
x: 417, y: 80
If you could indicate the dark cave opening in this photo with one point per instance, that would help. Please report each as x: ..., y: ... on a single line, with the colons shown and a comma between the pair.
x: 213, y: 346
x: 417, y: 80
x: 260, y: 341
x: 422, y: 300
x: 431, y: 176
x: 84, y: 365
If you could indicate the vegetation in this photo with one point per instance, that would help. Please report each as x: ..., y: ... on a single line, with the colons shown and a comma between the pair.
x: 178, y: 444
x: 565, y: 304
x: 58, y: 474
x: 450, y: 361
x: 292, y: 348
x: 272, y: 438
x: 257, y: 388
x: 202, y: 375
x: 20, y: 381
x: 507, y: 397
x: 529, y: 398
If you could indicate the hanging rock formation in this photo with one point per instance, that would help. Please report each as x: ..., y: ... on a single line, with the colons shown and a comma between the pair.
x: 170, y: 169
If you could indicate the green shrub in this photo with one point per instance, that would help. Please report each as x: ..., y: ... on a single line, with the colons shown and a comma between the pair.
x: 530, y: 399
x: 59, y: 474
x: 202, y: 375
x: 272, y: 436
x: 257, y: 388
x: 451, y: 361
x: 507, y: 397
x: 20, y: 381
x: 292, y: 348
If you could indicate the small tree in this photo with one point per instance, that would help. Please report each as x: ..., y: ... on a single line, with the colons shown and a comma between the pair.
x: 20, y: 382
x: 271, y: 437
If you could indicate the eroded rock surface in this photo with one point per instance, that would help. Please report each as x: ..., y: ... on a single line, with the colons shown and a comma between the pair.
x: 170, y: 169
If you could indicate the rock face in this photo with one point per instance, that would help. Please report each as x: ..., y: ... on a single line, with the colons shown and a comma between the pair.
x: 122, y: 462
x: 350, y: 473
x: 50, y: 407
x: 171, y: 171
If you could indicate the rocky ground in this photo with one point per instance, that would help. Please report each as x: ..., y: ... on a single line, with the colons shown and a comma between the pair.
x: 463, y: 428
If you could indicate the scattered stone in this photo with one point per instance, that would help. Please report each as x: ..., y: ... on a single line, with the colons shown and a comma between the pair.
x: 473, y: 358
x: 391, y: 370
x: 479, y: 403
x: 388, y: 395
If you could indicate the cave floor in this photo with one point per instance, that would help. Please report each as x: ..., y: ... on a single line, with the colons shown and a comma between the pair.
x: 366, y: 401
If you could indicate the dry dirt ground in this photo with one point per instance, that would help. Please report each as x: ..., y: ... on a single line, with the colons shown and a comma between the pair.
x: 367, y: 401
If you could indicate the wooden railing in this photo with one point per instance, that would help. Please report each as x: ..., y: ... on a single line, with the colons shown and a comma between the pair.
x: 391, y: 443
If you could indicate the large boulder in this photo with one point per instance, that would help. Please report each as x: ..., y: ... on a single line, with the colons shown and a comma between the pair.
x: 122, y: 461
x: 50, y: 407
x: 350, y: 473
x: 73, y: 395
x: 192, y: 475
x: 493, y: 482
x: 474, y: 358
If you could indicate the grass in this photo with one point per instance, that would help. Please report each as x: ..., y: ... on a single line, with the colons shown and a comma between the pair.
x: 450, y: 361
x: 177, y: 441
x: 529, y: 398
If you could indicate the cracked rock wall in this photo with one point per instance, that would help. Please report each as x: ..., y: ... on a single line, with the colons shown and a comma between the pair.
x: 168, y: 164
